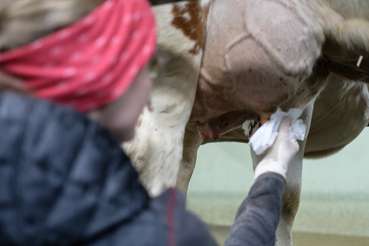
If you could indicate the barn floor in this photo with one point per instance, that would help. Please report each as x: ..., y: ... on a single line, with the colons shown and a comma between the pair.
x: 305, y: 239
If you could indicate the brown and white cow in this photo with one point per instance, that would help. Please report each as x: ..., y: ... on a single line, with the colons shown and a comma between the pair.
x: 227, y: 61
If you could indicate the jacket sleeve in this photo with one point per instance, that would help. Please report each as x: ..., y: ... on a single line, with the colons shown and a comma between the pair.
x: 258, y: 216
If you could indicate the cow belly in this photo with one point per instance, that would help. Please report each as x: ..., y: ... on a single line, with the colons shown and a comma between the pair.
x: 253, y: 62
x: 341, y: 112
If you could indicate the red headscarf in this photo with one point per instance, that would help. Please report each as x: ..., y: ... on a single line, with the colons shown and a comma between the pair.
x: 92, y: 62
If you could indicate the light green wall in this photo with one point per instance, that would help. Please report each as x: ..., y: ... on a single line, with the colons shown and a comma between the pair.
x: 335, y: 193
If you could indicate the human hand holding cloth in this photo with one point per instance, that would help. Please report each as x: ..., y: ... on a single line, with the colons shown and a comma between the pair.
x: 276, y: 142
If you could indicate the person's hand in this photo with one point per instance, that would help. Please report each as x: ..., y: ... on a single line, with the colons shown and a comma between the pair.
x: 280, y: 153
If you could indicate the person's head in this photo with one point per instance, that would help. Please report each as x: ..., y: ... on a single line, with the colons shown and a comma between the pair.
x: 91, y: 55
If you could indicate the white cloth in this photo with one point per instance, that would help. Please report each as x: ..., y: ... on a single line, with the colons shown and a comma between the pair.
x: 266, y: 135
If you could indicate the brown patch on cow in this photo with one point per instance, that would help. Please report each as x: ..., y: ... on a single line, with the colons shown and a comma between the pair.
x: 291, y: 201
x: 189, y: 19
x: 264, y: 117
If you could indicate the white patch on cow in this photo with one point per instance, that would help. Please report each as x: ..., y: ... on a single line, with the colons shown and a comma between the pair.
x: 157, y: 149
x: 359, y: 61
x: 205, y: 3
x: 352, y: 8
x: 365, y: 94
x: 170, y: 37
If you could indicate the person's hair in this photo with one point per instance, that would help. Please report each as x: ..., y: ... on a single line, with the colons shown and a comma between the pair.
x: 24, y: 21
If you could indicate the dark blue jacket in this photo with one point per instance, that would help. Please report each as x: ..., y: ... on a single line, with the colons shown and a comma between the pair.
x: 65, y: 181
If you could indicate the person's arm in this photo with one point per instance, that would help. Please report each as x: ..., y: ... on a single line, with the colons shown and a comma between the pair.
x: 258, y: 216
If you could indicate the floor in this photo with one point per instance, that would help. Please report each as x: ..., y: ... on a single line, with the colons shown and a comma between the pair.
x: 306, y: 239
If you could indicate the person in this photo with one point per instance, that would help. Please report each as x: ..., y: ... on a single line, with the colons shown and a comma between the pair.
x: 67, y: 101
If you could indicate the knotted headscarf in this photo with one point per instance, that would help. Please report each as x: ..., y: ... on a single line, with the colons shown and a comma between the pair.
x: 91, y: 62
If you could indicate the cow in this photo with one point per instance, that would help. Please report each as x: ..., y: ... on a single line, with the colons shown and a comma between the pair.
x: 221, y: 63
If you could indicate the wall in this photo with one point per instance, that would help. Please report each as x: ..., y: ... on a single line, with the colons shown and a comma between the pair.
x: 335, y: 193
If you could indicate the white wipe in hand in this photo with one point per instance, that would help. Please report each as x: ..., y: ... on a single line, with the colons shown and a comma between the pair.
x: 265, y: 136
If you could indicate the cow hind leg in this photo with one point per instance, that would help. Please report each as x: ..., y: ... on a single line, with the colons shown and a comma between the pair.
x: 191, y: 143
x: 291, y: 196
